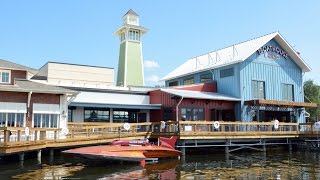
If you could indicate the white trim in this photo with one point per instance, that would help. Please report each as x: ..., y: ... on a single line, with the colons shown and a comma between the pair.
x: 5, y: 71
x: 46, y: 108
x: 10, y: 107
x: 125, y: 64
x: 142, y: 61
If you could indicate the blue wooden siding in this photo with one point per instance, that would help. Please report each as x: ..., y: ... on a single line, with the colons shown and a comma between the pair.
x: 274, y: 72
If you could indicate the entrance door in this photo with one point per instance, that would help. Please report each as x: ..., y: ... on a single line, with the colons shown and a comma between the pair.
x: 213, y: 113
x: 142, y: 117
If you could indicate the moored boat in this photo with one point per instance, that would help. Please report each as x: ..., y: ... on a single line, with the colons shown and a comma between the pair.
x: 130, y: 150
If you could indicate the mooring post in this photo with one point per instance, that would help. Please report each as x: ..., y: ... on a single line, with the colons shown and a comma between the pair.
x: 227, y: 155
x: 21, y: 156
x: 39, y: 156
x: 51, y: 155
x: 183, y: 148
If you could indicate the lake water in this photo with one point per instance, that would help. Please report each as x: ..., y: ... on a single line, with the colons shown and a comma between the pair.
x: 248, y: 165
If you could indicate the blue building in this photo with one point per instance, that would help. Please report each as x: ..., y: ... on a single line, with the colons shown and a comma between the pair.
x: 266, y: 73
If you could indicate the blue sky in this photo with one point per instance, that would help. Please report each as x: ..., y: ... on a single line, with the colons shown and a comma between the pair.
x: 34, y: 32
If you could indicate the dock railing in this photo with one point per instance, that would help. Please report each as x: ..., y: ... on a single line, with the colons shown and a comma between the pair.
x: 102, y: 132
x: 309, y: 130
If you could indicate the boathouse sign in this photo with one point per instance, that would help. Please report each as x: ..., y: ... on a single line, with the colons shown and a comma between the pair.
x: 265, y: 49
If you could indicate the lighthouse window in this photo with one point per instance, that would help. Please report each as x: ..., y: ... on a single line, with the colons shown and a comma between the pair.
x: 134, y: 35
x: 122, y: 36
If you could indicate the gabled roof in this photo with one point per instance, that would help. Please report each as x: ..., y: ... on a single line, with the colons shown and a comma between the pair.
x: 234, y: 54
x: 200, y: 95
x: 13, y: 66
x: 22, y: 85
x: 131, y: 12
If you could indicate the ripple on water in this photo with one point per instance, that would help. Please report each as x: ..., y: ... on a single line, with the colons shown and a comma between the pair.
x: 50, y: 172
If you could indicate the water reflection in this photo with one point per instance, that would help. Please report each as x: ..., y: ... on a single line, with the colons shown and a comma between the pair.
x: 161, y: 170
x: 50, y: 172
x: 273, y: 165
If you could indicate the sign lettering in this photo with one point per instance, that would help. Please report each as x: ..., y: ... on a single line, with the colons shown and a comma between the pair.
x: 277, y: 50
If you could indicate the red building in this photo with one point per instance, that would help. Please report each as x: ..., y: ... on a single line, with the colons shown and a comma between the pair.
x: 192, y: 102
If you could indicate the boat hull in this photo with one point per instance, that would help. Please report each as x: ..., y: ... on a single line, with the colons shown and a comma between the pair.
x: 125, y: 153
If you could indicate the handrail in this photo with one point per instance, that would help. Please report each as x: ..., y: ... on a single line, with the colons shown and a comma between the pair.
x: 101, y: 131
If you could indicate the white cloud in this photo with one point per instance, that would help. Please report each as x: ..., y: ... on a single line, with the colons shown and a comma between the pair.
x: 150, y: 64
x: 152, y: 78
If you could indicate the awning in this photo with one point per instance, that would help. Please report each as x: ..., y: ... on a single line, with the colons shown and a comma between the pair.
x: 200, y: 95
x: 118, y: 100
x: 263, y: 102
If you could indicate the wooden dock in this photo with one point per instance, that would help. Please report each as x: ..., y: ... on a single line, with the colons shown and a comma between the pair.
x: 17, y: 139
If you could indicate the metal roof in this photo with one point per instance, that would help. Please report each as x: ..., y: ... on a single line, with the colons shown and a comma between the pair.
x: 22, y: 85
x: 118, y: 106
x: 13, y: 66
x: 232, y: 55
x: 200, y: 95
x: 112, y: 98
x: 131, y: 12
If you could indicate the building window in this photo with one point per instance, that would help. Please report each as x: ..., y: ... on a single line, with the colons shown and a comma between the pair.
x: 70, y: 115
x: 174, y: 83
x: 258, y: 90
x: 287, y: 92
x: 4, y: 76
x: 167, y: 114
x: 45, y: 120
x: 121, y: 116
x: 192, y: 114
x: 205, y: 77
x: 96, y: 115
x: 12, y: 119
x: 188, y: 81
x: 122, y: 36
x: 226, y: 72
x: 134, y: 35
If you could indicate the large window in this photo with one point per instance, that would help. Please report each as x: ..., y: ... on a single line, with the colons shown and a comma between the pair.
x: 122, y: 116
x: 287, y: 92
x: 45, y: 120
x: 96, y: 115
x: 12, y: 119
x: 226, y: 72
x: 192, y: 114
x: 258, y: 90
x: 173, y: 83
x: 134, y: 35
x: 4, y: 76
x: 205, y: 77
x: 188, y: 81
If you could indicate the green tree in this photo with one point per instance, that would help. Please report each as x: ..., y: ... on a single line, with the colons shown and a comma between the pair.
x: 312, y: 94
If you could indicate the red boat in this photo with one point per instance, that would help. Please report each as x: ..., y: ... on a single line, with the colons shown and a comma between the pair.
x: 130, y: 150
